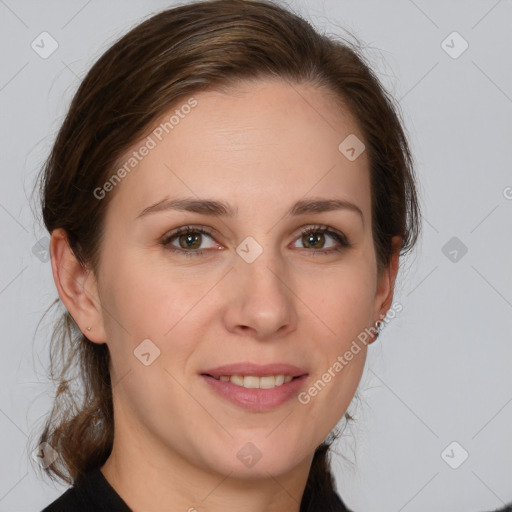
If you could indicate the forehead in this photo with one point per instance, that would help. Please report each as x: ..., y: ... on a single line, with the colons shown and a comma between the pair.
x: 260, y: 141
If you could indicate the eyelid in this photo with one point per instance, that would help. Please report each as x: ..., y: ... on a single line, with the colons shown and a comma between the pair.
x: 323, y: 228
x: 204, y: 230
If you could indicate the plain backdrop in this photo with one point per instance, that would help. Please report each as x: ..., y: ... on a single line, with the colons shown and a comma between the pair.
x: 433, y: 422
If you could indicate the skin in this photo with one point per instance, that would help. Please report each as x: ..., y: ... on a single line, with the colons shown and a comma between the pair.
x: 260, y: 148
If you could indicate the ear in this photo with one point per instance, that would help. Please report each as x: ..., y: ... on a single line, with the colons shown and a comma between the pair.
x: 77, y: 287
x: 386, y: 283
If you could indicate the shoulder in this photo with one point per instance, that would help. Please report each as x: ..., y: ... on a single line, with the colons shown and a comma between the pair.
x: 71, y: 500
x: 91, y: 491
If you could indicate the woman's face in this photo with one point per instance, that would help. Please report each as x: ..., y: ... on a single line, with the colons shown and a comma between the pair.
x: 252, y: 291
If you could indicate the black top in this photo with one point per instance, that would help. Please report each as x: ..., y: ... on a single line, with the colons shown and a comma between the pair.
x: 90, y: 492
x: 93, y: 492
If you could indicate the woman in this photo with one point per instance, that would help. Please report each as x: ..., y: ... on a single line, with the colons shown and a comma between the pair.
x: 228, y: 198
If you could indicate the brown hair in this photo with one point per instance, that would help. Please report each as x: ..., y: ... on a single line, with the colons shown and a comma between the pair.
x: 171, y: 55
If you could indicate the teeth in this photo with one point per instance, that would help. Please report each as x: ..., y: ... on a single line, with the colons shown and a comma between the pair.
x: 236, y: 379
x: 253, y: 382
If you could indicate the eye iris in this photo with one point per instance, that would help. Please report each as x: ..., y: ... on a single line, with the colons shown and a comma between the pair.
x: 313, y: 239
x: 194, y: 239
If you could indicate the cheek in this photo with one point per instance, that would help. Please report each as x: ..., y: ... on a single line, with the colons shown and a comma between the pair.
x: 144, y: 298
x: 343, y: 301
x: 342, y: 298
x: 144, y: 304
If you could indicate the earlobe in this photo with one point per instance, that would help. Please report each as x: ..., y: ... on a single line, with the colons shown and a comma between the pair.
x: 76, y: 286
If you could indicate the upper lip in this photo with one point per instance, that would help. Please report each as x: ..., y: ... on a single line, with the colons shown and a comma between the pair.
x: 257, y: 370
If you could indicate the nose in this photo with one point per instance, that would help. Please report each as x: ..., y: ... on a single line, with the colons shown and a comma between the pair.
x: 262, y: 304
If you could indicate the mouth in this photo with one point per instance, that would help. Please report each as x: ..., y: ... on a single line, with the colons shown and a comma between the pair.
x: 256, y: 387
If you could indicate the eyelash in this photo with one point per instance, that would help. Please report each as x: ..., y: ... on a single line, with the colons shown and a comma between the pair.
x: 338, y: 237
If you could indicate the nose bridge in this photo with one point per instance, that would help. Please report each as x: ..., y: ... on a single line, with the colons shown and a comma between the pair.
x: 260, y: 261
x: 263, y: 300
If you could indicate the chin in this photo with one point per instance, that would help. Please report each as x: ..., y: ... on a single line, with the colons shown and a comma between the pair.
x: 259, y: 458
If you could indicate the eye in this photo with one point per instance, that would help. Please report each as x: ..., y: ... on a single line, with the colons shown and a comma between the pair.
x: 188, y: 240
x: 315, y: 237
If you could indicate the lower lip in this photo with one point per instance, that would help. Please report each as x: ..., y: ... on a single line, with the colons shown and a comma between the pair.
x: 257, y: 399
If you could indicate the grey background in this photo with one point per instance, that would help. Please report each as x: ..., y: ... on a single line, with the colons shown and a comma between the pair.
x: 441, y: 370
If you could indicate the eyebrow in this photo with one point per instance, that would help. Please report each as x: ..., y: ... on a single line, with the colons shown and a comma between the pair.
x: 222, y: 209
